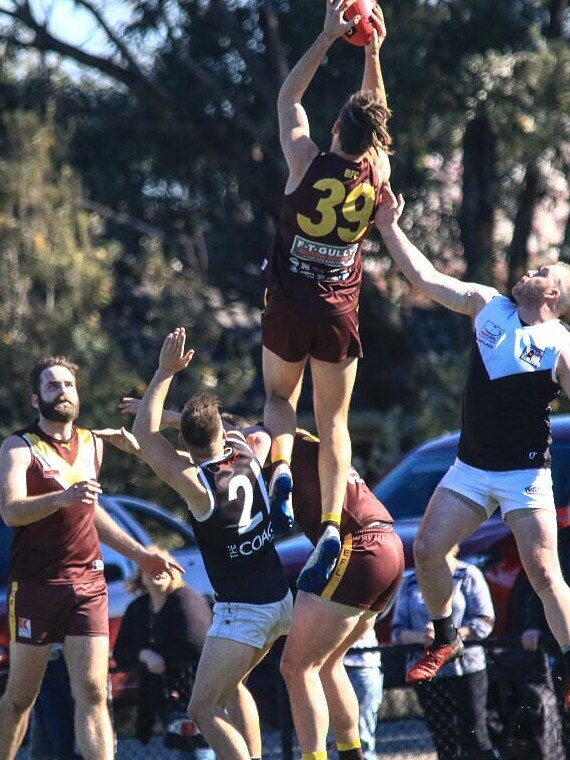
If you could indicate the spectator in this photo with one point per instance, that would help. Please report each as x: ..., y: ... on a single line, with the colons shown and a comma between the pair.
x: 455, y: 701
x: 364, y: 669
x: 163, y: 630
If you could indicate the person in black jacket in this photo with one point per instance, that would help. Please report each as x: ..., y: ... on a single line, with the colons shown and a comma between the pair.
x: 163, y: 630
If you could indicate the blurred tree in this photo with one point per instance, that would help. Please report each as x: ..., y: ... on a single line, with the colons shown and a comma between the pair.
x: 172, y: 129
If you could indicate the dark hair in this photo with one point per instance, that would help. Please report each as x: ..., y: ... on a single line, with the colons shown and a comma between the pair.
x: 200, y: 420
x: 45, y: 363
x: 362, y: 125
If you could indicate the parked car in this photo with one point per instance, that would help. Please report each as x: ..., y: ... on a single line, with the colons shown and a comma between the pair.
x: 406, y: 490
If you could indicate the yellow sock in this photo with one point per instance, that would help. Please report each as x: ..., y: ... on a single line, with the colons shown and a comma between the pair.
x: 344, y: 746
x: 315, y: 755
x: 330, y: 517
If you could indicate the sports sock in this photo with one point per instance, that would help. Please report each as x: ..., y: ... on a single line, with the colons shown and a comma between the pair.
x: 322, y: 755
x: 444, y: 631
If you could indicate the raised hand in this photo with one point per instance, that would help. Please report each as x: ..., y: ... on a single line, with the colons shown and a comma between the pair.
x: 335, y: 24
x: 390, y: 208
x: 173, y: 357
x: 129, y: 405
x: 121, y: 438
x: 379, y: 30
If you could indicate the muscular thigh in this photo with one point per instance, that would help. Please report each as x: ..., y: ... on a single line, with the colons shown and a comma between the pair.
x: 41, y: 614
x: 368, y: 571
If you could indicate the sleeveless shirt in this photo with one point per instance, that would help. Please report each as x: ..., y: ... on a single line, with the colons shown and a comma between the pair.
x: 510, y: 385
x: 62, y: 547
x: 236, y: 536
x: 316, y: 259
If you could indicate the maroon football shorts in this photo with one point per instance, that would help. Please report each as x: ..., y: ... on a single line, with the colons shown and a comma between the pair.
x: 368, y: 571
x: 293, y: 334
x: 41, y: 613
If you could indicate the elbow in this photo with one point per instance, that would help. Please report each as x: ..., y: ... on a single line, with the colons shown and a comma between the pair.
x: 9, y: 516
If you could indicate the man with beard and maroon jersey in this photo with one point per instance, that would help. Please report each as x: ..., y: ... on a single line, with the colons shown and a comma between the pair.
x: 520, y: 361
x: 314, y: 275
x: 57, y: 592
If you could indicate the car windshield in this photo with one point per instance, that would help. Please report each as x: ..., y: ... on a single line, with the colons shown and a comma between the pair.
x: 407, y: 489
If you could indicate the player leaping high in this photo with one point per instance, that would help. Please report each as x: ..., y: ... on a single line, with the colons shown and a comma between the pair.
x: 314, y: 275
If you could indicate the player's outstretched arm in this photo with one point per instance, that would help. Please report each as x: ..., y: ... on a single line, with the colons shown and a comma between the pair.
x: 294, y: 133
x: 169, y: 419
x: 170, y: 466
x: 372, y: 80
x: 463, y: 297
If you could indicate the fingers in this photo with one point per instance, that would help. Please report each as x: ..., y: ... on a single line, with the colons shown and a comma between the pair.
x: 85, y: 492
x: 129, y: 405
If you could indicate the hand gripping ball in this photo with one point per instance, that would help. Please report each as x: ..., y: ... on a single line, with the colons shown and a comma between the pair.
x: 361, y: 33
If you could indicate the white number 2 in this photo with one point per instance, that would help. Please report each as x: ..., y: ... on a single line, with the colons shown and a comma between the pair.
x: 237, y: 483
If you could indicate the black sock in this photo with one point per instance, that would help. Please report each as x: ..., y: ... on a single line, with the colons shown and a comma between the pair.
x: 444, y: 631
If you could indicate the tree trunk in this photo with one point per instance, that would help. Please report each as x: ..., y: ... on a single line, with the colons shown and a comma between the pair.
x: 517, y: 255
x: 477, y: 214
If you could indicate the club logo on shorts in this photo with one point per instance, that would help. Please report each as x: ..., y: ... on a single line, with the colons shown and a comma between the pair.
x: 533, y: 490
x: 490, y: 334
x: 532, y: 355
x: 24, y: 628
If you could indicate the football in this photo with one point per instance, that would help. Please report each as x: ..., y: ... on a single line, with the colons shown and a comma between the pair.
x: 361, y: 33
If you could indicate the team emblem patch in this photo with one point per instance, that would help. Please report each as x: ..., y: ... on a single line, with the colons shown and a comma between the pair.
x: 490, y: 334
x: 24, y: 628
x: 532, y: 355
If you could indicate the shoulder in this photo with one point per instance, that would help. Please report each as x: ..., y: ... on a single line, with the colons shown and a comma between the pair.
x: 16, y: 447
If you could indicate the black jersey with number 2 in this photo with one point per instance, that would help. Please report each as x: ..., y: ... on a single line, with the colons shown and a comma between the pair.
x: 236, y: 536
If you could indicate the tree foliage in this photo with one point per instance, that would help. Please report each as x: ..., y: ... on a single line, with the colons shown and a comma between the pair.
x: 169, y: 184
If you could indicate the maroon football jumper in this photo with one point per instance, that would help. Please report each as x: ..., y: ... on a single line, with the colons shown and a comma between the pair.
x: 371, y: 561
x: 57, y: 585
x: 315, y: 266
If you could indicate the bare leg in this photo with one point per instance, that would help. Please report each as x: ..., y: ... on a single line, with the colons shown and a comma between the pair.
x: 87, y: 659
x: 242, y: 712
x: 447, y: 521
x: 27, y: 668
x: 536, y: 535
x: 341, y: 698
x: 332, y: 391
x: 223, y: 666
x: 317, y: 631
x: 283, y: 382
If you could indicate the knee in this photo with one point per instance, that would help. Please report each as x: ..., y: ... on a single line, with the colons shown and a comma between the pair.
x: 92, y: 692
x: 423, y: 551
x: 289, y: 667
x: 19, y: 703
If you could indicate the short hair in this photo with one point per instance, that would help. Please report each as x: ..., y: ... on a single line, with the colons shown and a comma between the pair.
x: 363, y: 125
x: 135, y: 585
x: 200, y: 420
x: 45, y: 363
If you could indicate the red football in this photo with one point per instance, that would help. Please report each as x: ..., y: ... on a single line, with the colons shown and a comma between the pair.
x: 361, y: 33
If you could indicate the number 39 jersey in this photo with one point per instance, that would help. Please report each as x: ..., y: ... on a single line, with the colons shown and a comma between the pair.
x: 236, y: 536
x: 316, y: 258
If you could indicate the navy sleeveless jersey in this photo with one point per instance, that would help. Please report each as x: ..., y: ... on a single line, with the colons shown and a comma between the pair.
x: 510, y: 386
x: 236, y: 536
